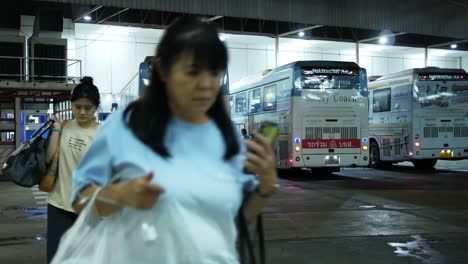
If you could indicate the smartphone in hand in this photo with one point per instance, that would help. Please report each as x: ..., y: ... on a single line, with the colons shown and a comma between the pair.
x: 270, y: 131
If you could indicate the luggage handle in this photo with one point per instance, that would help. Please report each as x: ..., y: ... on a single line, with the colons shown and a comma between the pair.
x: 40, y: 131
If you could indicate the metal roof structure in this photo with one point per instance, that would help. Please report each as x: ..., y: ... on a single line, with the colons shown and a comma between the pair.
x: 416, y: 23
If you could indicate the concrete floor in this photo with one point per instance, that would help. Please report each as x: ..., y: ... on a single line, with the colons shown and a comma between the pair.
x: 402, y: 215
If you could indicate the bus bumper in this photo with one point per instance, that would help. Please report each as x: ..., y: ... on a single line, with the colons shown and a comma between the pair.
x: 331, y: 160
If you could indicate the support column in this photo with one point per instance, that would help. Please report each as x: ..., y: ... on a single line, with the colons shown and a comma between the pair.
x: 26, y: 59
x: 276, y: 51
x: 357, y: 53
x: 460, y: 62
x: 426, y: 56
x: 17, y: 121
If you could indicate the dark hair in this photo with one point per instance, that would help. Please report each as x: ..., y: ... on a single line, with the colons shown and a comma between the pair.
x: 86, y: 89
x: 151, y: 114
x: 244, y: 131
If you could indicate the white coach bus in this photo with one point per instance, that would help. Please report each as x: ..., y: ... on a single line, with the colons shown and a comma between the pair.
x: 321, y: 108
x: 419, y: 115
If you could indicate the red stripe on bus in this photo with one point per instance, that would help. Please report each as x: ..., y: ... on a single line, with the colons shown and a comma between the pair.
x: 330, y: 143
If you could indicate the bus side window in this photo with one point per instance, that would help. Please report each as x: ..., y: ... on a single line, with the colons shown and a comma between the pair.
x: 269, y: 98
x: 241, y: 102
x: 231, y: 103
x: 255, y: 100
x: 381, y: 100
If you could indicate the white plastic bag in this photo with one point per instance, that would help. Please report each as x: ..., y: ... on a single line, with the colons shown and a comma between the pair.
x: 85, y: 241
x: 121, y: 238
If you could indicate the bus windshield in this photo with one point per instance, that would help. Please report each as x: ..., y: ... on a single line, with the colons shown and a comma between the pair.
x: 329, y: 78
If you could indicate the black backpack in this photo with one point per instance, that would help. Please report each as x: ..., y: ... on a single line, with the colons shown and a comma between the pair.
x: 26, y: 165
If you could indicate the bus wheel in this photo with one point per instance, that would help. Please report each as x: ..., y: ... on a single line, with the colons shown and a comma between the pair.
x: 425, y: 164
x: 374, y: 161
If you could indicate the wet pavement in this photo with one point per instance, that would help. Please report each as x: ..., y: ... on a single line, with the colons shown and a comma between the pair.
x: 361, y: 215
x: 22, y: 226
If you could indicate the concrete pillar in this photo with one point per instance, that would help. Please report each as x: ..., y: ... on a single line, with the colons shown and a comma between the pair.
x: 26, y: 60
x: 357, y: 53
x: 17, y: 121
x: 426, y: 56
x: 276, y: 50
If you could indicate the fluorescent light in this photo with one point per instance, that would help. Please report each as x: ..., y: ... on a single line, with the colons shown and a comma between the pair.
x: 222, y: 37
x: 383, y: 40
x: 301, y: 34
x: 87, y: 17
x: 453, y: 46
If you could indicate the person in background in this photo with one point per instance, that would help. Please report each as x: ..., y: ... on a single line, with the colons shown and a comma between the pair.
x: 75, y: 138
x: 182, y: 156
x: 245, y: 134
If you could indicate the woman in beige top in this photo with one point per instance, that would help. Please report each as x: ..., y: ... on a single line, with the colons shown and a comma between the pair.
x: 76, y: 136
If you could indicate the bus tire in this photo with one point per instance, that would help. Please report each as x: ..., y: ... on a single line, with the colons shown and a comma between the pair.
x: 425, y: 164
x: 374, y: 156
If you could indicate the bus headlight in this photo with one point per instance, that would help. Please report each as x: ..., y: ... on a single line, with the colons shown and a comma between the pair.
x: 297, y: 148
x: 365, y: 147
x: 417, y: 144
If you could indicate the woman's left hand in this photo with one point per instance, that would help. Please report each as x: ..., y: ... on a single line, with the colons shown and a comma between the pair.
x: 261, y: 162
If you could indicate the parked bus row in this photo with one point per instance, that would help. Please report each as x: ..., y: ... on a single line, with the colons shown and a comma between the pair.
x: 328, y: 118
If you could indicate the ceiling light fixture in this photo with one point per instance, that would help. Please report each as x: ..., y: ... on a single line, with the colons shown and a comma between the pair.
x: 383, y: 40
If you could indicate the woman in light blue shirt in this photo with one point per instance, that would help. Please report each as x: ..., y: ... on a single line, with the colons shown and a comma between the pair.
x: 175, y: 157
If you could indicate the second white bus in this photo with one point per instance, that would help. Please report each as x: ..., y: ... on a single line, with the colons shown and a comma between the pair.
x: 419, y: 115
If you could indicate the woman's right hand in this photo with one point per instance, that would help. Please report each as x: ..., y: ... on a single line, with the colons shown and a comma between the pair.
x: 140, y: 193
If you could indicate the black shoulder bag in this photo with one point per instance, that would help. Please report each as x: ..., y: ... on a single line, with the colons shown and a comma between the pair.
x: 245, y: 243
x: 27, y: 164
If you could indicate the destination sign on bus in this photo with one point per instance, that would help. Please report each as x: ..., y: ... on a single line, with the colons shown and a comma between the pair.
x: 330, y: 143
x: 342, y: 82
x: 334, y: 71
x: 442, y: 77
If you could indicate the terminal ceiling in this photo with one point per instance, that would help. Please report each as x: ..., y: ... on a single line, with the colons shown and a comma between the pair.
x: 416, y: 23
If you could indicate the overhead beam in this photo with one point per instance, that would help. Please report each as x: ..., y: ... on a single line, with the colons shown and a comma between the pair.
x: 448, y: 43
x: 299, y: 30
x: 113, y: 15
x: 382, y: 36
x: 236, y: 32
x: 214, y: 18
x: 88, y: 13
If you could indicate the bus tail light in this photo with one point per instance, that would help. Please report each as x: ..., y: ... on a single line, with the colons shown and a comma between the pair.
x: 417, y: 144
x: 290, y: 160
x: 297, y: 148
x: 365, y: 147
x: 416, y: 136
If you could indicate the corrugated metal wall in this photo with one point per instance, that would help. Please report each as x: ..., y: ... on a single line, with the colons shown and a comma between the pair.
x: 447, y: 18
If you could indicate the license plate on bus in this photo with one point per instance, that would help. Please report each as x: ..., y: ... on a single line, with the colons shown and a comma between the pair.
x: 332, y: 160
x: 445, y: 154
